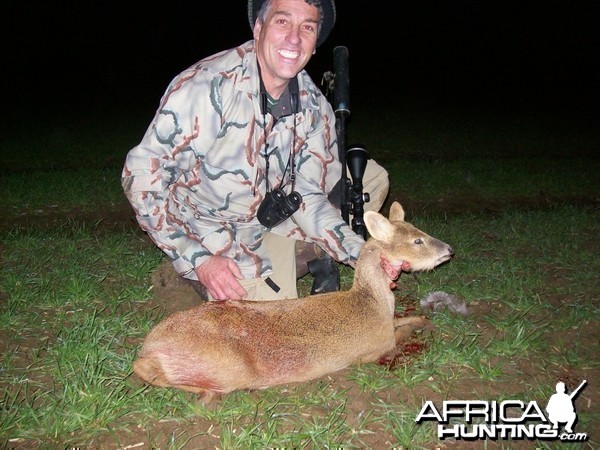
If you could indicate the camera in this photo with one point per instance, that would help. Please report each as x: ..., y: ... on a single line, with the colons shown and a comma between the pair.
x: 277, y: 206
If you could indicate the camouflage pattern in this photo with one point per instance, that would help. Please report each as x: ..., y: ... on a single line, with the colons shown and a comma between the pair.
x: 198, y: 176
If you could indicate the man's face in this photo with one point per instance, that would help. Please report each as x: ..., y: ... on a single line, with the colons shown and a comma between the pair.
x: 286, y: 41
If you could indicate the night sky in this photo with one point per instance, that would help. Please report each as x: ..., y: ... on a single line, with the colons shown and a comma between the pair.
x: 111, y: 55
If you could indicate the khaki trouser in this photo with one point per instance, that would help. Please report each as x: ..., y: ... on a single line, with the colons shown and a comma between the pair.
x: 282, y: 250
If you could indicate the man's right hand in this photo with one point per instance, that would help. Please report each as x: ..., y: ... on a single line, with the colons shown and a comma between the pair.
x: 220, y: 276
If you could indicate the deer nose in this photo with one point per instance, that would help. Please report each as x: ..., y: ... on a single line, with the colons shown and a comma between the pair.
x: 451, y: 251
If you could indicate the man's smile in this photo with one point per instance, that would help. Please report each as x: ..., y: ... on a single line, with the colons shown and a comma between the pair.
x: 288, y: 54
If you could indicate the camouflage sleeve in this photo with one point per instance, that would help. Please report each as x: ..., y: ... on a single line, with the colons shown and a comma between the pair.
x: 164, y: 156
x: 318, y: 172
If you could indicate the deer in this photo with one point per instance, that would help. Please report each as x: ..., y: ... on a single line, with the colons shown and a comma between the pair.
x: 218, y: 347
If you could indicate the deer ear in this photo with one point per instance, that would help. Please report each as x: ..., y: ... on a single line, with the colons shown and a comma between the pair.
x: 378, y: 226
x: 397, y: 212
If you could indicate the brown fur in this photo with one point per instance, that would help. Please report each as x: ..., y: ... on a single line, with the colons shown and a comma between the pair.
x: 222, y: 346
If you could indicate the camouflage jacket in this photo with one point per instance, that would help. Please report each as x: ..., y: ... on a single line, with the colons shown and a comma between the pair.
x: 198, y: 176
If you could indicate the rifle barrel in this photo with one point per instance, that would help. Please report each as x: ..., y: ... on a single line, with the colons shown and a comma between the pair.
x: 341, y: 106
x: 341, y: 92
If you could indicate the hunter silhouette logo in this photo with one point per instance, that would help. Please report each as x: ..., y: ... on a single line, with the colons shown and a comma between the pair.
x: 560, y: 406
x: 508, y: 419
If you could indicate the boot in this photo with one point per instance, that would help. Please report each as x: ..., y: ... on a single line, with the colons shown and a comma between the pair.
x: 310, y: 258
x: 305, y: 252
x: 326, y: 274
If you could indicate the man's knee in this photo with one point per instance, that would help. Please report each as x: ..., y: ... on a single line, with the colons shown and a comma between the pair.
x: 376, y: 183
x: 282, y: 252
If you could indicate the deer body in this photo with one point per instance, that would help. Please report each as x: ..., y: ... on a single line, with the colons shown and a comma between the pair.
x: 222, y: 346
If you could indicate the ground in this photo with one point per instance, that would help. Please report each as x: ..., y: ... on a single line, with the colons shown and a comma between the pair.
x: 171, y: 293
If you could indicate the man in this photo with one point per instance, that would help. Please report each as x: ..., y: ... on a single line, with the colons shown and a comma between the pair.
x: 560, y: 407
x: 229, y: 131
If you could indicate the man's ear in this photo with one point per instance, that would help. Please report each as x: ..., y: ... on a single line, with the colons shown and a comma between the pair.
x: 256, y: 30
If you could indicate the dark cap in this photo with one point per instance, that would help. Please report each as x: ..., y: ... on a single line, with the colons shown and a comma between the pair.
x: 328, y: 19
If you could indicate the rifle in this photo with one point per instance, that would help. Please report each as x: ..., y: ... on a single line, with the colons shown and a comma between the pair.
x: 354, y: 157
x: 348, y: 193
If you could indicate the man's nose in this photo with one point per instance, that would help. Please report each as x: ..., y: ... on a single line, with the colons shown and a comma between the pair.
x: 294, y: 35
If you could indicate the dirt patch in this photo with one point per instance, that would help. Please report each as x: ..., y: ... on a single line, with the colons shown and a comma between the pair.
x: 171, y: 292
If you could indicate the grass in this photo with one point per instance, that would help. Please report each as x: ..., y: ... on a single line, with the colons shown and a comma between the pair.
x: 76, y: 294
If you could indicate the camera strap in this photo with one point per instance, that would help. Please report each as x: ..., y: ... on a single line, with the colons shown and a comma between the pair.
x: 289, y: 101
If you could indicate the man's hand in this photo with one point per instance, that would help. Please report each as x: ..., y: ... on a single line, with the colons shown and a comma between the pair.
x: 220, y: 276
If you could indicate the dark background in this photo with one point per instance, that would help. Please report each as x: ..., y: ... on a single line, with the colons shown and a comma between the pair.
x: 105, y: 56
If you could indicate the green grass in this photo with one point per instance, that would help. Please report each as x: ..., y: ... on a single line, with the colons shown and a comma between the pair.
x: 56, y: 191
x: 75, y: 293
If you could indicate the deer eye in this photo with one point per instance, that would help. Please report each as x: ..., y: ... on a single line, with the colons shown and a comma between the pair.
x: 418, y: 241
